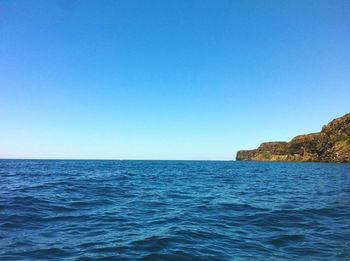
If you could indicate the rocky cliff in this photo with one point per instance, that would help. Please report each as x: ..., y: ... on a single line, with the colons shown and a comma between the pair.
x: 331, y: 144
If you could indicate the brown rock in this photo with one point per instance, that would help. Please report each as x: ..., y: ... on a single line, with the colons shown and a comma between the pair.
x: 332, y: 144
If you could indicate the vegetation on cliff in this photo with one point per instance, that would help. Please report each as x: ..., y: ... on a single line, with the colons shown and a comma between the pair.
x: 331, y: 144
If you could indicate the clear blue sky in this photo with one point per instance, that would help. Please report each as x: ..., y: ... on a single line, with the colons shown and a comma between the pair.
x: 177, y: 79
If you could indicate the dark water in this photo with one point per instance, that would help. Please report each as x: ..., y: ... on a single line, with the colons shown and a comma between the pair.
x: 174, y: 210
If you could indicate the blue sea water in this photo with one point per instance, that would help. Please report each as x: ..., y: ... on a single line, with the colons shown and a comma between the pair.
x: 174, y: 210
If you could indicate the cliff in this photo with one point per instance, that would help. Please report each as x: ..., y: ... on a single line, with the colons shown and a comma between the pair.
x: 331, y: 144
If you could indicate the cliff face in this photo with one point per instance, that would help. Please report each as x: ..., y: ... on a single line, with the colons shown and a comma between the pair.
x: 331, y: 144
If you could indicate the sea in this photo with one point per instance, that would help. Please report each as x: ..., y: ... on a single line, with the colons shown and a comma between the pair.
x: 173, y: 210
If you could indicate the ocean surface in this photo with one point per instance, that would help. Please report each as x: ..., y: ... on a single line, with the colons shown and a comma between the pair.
x: 173, y: 210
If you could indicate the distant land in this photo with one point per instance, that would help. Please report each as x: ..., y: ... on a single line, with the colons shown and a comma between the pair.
x: 331, y: 144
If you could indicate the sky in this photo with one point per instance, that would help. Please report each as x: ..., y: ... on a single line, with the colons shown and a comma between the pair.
x: 177, y: 79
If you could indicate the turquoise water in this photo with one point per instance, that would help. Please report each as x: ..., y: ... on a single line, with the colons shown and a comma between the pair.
x: 174, y: 210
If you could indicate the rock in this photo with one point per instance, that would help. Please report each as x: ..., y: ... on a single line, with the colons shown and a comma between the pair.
x: 332, y: 144
x: 245, y: 154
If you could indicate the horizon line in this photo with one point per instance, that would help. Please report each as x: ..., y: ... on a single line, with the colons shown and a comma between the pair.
x: 119, y: 159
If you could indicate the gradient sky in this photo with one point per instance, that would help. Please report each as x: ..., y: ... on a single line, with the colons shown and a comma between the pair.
x: 177, y: 79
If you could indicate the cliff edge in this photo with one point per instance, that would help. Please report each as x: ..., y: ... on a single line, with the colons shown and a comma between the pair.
x: 331, y: 144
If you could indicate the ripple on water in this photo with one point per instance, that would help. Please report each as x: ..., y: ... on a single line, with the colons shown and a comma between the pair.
x: 173, y: 210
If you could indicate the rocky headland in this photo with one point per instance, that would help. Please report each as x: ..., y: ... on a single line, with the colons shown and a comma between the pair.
x: 331, y: 144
